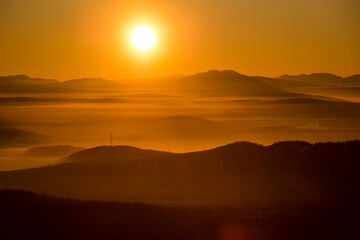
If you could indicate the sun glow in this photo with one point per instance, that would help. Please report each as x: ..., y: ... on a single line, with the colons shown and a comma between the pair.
x: 143, y: 38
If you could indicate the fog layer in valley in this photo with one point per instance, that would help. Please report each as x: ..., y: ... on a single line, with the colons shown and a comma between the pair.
x: 182, y: 114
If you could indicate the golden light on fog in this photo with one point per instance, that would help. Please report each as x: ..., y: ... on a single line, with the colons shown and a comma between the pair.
x: 143, y: 38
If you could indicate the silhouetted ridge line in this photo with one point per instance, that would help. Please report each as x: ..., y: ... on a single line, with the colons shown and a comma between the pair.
x: 213, y: 83
x: 322, y: 79
x: 11, y: 77
x: 321, y: 75
x: 25, y: 215
x: 287, y: 174
x: 113, y: 153
x: 217, y: 73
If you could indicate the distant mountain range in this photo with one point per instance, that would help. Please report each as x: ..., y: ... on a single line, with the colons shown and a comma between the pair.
x: 323, y: 79
x: 284, y: 174
x: 224, y: 83
x: 25, y: 84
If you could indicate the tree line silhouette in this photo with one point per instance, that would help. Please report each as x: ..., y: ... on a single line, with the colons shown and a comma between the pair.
x: 25, y: 215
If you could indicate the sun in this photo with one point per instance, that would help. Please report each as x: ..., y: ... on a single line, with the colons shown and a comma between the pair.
x: 143, y: 38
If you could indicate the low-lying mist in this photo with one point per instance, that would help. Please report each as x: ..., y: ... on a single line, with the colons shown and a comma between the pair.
x: 180, y: 115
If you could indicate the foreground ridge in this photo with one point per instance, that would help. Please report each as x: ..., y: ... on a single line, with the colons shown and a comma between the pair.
x: 44, y: 217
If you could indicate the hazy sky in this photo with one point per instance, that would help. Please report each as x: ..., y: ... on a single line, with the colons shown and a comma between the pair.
x: 91, y: 38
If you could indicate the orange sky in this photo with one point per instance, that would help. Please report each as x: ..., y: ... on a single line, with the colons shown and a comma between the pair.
x: 66, y: 39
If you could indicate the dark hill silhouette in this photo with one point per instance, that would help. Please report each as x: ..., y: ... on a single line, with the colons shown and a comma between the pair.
x: 226, y: 83
x: 25, y: 215
x: 89, y: 83
x: 213, y: 82
x: 25, y: 84
x: 216, y: 75
x: 113, y: 153
x: 289, y: 147
x: 23, y: 79
x: 320, y: 79
x: 355, y: 79
x: 241, y: 174
x: 40, y: 156
x: 281, y: 83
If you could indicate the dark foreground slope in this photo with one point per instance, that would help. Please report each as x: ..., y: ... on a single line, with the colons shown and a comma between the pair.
x: 286, y: 174
x: 25, y: 215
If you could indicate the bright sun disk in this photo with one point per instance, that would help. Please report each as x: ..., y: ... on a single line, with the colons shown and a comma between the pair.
x: 143, y: 38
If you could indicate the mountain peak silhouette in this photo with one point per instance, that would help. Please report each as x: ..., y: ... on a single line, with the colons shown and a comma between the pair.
x: 226, y: 83
x: 241, y: 174
x: 325, y: 75
x: 316, y: 78
x: 113, y: 153
x: 18, y: 77
x: 219, y: 74
x: 354, y: 79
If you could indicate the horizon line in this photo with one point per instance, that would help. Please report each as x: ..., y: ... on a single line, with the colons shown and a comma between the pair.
x: 176, y: 75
